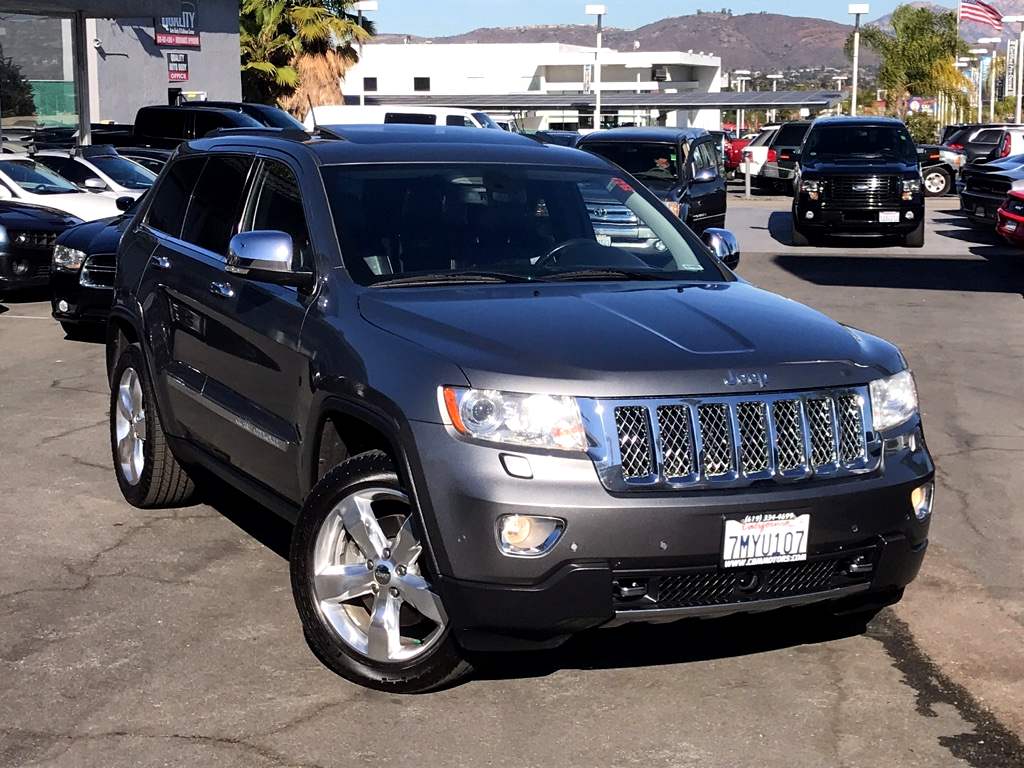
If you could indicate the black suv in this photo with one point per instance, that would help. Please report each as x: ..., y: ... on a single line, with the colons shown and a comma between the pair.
x: 682, y: 166
x: 858, y: 176
x: 492, y: 429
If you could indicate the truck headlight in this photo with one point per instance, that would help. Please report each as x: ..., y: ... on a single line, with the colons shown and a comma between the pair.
x: 911, y: 187
x: 812, y: 187
x: 893, y: 400
x: 673, y: 206
x: 68, y: 259
x: 511, y: 418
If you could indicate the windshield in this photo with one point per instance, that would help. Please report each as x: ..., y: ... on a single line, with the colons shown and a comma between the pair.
x: 485, y: 120
x: 124, y: 172
x: 870, y: 142
x: 645, y: 160
x: 764, y: 137
x: 273, y: 117
x: 503, y: 222
x: 35, y: 178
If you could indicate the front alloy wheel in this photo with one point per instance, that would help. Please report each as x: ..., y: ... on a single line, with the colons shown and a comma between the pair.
x: 363, y: 586
x: 130, y: 427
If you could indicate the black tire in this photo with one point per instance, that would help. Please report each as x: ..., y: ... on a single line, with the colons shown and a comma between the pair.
x: 939, y: 180
x: 915, y: 238
x: 162, y: 482
x: 440, y: 666
x: 796, y: 237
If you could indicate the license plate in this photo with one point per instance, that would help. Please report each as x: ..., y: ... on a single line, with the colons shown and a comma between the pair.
x: 1009, y: 226
x: 770, y: 172
x: 889, y: 217
x: 980, y: 212
x: 777, y: 537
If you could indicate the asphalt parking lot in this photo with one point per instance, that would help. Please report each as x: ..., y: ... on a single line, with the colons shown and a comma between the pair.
x: 132, y: 638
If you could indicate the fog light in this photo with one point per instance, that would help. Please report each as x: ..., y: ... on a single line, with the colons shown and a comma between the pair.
x: 809, y: 215
x: 921, y: 500
x: 62, y: 305
x: 528, y: 535
x: 910, y: 215
x: 20, y: 267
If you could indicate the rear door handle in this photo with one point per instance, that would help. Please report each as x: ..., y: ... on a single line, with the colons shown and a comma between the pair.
x: 161, y: 262
x: 223, y: 290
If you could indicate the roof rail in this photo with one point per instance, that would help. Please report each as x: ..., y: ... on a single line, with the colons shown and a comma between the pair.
x: 293, y: 134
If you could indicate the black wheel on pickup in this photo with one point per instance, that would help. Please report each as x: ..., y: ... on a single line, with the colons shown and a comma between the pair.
x: 937, y: 181
x: 915, y: 238
x: 363, y: 586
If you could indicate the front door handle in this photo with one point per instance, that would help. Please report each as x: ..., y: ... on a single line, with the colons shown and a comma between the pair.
x: 161, y: 262
x: 223, y: 290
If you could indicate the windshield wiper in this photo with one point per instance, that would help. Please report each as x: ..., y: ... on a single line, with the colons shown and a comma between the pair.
x: 606, y: 273
x: 452, y: 278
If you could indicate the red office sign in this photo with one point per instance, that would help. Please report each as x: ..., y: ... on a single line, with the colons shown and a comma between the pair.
x: 177, y: 67
x: 178, y: 31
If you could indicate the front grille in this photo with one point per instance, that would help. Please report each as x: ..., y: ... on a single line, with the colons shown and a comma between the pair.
x: 705, y: 587
x: 32, y: 240
x: 737, y: 440
x: 98, y: 271
x: 984, y: 184
x: 865, y: 191
x: 1015, y: 205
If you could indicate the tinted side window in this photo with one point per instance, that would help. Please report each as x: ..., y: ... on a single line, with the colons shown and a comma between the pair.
x: 459, y: 120
x: 412, y: 118
x: 171, y: 196
x: 167, y: 123
x: 276, y: 203
x: 207, y: 121
x: 988, y: 136
x: 709, y: 157
x: 71, y: 170
x: 216, y: 206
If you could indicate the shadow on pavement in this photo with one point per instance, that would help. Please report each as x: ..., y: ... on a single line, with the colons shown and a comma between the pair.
x: 681, y: 642
x: 25, y: 296
x: 269, y: 529
x: 780, y: 229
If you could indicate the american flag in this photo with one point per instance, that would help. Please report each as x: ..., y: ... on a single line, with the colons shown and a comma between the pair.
x: 983, y: 13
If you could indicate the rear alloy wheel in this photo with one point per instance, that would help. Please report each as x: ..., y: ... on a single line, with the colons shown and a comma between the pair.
x: 361, y: 585
x: 936, y: 182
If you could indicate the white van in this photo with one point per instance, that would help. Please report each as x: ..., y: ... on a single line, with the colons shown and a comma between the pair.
x: 342, y: 114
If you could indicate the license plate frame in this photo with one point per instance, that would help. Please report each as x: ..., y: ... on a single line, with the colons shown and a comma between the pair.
x: 765, y: 539
x: 889, y: 217
x: 980, y: 211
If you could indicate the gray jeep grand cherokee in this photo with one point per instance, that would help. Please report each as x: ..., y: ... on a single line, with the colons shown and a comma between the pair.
x: 492, y: 426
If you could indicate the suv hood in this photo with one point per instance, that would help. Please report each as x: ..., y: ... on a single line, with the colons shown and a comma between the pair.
x: 609, y: 340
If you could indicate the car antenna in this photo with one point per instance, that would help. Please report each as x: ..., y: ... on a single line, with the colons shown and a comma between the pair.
x: 312, y: 114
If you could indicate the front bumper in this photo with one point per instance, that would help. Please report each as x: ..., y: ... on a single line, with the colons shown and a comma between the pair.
x: 979, y: 207
x: 827, y: 218
x: 654, y: 539
x: 84, y: 303
x: 24, y: 269
x: 1010, y: 227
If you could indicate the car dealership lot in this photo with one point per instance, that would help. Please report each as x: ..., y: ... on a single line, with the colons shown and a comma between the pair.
x: 169, y: 637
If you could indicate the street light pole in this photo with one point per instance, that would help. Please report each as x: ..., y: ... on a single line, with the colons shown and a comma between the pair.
x: 361, y: 6
x: 994, y: 42
x: 839, y: 80
x: 742, y: 75
x: 1018, y: 75
x: 856, y: 10
x: 599, y: 11
x: 775, y: 81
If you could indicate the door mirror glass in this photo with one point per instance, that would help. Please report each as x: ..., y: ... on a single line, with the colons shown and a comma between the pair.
x: 723, y: 244
x: 94, y: 184
x: 265, y: 255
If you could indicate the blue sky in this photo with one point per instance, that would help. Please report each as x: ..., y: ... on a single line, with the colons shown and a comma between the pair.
x: 445, y: 17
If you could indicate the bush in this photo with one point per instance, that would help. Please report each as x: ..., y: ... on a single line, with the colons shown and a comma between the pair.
x: 924, y: 128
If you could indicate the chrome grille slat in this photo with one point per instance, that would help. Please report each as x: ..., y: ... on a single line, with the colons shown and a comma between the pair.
x: 734, y: 440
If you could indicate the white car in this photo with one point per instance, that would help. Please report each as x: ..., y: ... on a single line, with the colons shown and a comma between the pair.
x: 99, y: 169
x: 24, y: 180
x: 343, y: 114
x: 758, y: 151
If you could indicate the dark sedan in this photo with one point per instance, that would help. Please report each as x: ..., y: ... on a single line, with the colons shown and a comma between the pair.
x: 27, y: 237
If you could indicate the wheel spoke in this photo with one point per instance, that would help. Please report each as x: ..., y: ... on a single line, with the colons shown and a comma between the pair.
x: 383, y: 638
x: 138, y: 460
x: 124, y: 449
x: 124, y: 403
x: 339, y: 583
x: 362, y: 526
x: 406, y: 549
x: 415, y: 590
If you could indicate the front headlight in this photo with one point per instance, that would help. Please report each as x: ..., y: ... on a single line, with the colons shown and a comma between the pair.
x: 911, y: 187
x: 541, y: 421
x: 68, y: 259
x: 673, y: 206
x: 812, y: 188
x: 893, y: 400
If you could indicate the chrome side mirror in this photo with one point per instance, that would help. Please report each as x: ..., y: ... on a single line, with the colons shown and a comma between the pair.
x: 265, y: 255
x: 94, y: 184
x: 723, y: 244
x: 706, y: 174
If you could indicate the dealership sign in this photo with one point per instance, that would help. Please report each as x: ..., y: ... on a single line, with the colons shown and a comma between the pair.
x: 177, y: 67
x: 178, y: 31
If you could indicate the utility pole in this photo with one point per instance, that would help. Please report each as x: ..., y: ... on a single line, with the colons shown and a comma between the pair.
x: 856, y: 10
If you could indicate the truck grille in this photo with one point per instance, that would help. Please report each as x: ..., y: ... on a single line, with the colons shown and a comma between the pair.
x: 986, y: 184
x: 863, y: 191
x: 98, y: 271
x: 32, y: 240
x: 736, y: 440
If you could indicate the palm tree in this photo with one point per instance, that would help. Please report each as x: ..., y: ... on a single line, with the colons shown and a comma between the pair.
x: 918, y: 58
x: 296, y: 52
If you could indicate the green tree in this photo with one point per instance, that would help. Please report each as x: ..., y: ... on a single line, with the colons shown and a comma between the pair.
x: 924, y: 129
x: 918, y: 58
x: 15, y: 92
x: 296, y: 52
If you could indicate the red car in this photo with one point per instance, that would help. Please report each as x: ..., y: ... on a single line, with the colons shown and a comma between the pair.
x: 734, y: 153
x: 1011, y: 219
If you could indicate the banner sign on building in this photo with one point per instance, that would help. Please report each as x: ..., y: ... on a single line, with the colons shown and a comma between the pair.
x: 1011, y: 68
x: 178, y: 31
x: 177, y: 67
